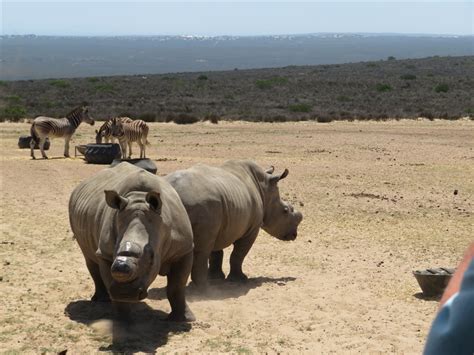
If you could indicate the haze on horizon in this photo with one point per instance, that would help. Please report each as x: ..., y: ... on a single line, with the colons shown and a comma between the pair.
x: 243, y: 18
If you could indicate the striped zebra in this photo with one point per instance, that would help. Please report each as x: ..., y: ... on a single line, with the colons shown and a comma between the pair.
x: 44, y: 127
x: 128, y: 132
x: 105, y: 133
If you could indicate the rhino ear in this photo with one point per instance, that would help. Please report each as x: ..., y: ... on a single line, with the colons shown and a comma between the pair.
x: 154, y: 200
x: 270, y: 170
x: 275, y: 178
x: 114, y: 200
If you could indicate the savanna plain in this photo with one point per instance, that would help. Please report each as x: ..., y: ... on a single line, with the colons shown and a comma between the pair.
x: 378, y: 202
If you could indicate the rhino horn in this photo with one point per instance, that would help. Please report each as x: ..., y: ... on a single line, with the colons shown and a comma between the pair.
x: 275, y: 178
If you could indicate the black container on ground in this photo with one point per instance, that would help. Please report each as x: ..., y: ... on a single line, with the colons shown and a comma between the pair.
x: 24, y: 143
x: 433, y: 281
x: 102, y: 153
x: 146, y: 164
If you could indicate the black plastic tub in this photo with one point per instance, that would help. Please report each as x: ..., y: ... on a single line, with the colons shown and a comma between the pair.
x: 102, y: 153
x: 433, y: 281
x: 24, y: 143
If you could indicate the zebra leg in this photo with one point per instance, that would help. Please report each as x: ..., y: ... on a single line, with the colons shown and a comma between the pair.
x: 123, y: 146
x: 142, y: 150
x: 66, y: 146
x: 32, y: 147
x: 41, y: 145
x: 130, y: 150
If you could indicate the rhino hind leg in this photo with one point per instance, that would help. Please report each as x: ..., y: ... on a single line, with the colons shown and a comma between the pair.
x: 199, y: 271
x: 241, y: 248
x: 175, y: 290
x: 215, y: 266
x: 101, y: 294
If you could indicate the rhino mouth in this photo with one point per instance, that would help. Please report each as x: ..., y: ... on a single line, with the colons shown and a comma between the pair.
x: 290, y: 236
x: 127, y: 292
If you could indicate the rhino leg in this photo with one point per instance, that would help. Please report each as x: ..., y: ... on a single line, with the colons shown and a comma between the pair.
x: 215, y: 266
x: 101, y: 294
x: 177, y: 279
x: 200, y: 270
x: 239, y: 252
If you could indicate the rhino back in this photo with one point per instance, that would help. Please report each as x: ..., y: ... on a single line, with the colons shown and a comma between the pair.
x: 219, y: 202
x: 92, y: 220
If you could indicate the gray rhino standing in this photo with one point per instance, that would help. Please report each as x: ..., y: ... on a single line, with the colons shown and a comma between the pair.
x: 135, y: 231
x: 228, y: 205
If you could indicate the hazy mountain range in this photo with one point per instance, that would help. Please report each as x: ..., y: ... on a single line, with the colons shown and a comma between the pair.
x: 40, y: 57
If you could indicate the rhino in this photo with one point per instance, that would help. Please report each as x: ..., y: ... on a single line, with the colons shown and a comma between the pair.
x: 228, y: 205
x: 131, y: 226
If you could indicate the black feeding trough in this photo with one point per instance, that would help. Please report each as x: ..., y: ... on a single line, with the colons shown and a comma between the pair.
x: 145, y: 163
x: 24, y: 143
x: 433, y: 281
x: 99, y: 153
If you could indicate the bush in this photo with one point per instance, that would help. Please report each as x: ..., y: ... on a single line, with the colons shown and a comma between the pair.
x: 343, y: 98
x: 3, y: 83
x: 13, y: 113
x: 13, y: 99
x: 372, y: 65
x: 202, y: 77
x: 441, y: 88
x: 300, y: 108
x: 324, y: 119
x: 391, y: 58
x: 383, y: 87
x: 147, y: 117
x: 105, y: 87
x: 212, y: 117
x: 184, y: 118
x: 93, y: 80
x: 60, y: 83
x: 408, y: 77
x: 269, y: 83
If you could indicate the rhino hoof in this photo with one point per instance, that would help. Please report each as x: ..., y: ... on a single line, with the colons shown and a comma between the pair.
x: 100, y: 297
x: 188, y: 316
x: 237, y: 278
x: 216, y: 275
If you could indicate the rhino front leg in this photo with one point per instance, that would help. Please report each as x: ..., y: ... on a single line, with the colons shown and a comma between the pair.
x: 101, y: 294
x: 215, y: 266
x: 177, y: 279
x: 239, y: 252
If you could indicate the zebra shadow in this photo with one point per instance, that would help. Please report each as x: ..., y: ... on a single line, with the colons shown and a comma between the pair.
x: 221, y: 289
x: 136, y: 328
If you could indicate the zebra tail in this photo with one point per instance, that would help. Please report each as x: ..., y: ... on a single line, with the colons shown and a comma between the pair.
x: 34, y: 136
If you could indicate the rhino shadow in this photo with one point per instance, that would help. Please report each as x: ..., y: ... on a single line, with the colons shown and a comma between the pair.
x: 219, y: 290
x: 141, y: 329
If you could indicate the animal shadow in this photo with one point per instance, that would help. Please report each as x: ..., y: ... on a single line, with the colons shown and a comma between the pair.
x: 222, y: 289
x: 133, y: 328
x: 422, y: 296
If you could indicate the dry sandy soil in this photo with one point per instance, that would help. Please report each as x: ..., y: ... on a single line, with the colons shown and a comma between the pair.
x: 377, y: 200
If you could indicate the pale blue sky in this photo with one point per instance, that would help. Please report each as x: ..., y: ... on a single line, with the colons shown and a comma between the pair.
x: 235, y: 18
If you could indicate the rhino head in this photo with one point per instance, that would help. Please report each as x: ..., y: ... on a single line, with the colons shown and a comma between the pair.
x: 280, y: 218
x: 138, y: 227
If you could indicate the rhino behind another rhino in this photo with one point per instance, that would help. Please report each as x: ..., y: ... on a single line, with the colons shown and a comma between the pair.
x: 228, y: 205
x: 135, y: 231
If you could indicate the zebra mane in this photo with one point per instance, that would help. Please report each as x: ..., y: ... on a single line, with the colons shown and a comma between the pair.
x: 74, y: 112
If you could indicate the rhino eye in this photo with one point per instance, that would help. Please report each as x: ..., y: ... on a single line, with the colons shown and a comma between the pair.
x: 286, y: 210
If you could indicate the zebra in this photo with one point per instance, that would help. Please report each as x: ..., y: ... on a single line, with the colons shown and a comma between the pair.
x: 43, y: 127
x: 128, y: 132
x: 105, y: 133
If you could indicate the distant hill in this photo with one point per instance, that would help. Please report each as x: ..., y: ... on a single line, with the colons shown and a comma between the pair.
x: 41, y: 57
x: 440, y: 87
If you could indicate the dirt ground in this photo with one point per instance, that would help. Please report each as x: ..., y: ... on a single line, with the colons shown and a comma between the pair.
x: 377, y: 200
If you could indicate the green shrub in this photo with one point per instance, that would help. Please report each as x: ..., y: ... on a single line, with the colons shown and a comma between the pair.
x: 372, y: 65
x: 269, y: 83
x: 13, y: 99
x: 211, y: 117
x: 300, y: 108
x: 147, y: 117
x: 391, y: 58
x: 202, y: 77
x: 324, y: 119
x: 408, y: 77
x: 441, y: 88
x: 93, y: 80
x: 184, y: 118
x: 60, y: 83
x: 3, y: 83
x: 105, y: 87
x: 13, y: 113
x: 343, y: 98
x: 383, y: 87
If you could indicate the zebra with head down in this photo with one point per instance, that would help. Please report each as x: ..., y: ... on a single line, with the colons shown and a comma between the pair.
x: 128, y: 132
x: 105, y: 132
x: 44, y: 127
